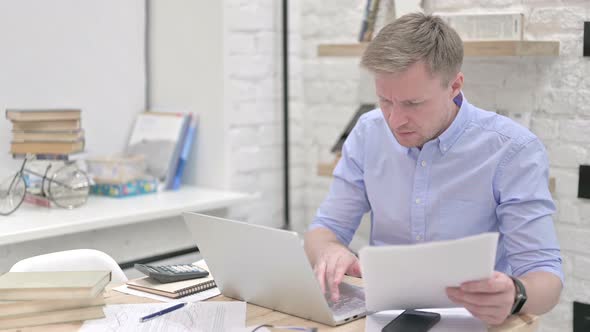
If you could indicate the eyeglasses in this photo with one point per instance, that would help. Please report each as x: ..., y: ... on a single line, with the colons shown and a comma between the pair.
x: 68, y: 187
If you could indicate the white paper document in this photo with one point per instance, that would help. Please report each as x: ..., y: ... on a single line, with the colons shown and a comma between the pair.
x: 451, y: 320
x: 199, y: 316
x: 416, y: 276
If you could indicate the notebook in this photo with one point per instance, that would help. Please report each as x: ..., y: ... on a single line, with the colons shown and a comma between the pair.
x: 174, y: 289
x: 53, y: 285
x: 51, y: 317
x: 11, y: 308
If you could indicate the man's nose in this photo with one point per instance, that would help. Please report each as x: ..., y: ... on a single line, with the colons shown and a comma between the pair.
x: 396, y: 118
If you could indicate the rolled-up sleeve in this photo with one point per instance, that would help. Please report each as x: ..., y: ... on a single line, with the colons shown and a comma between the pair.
x: 343, y: 208
x: 525, y: 211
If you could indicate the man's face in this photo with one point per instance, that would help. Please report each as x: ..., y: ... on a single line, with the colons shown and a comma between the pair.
x: 415, y: 105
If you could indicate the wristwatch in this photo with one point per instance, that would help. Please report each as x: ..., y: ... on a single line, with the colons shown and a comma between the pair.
x: 519, y: 296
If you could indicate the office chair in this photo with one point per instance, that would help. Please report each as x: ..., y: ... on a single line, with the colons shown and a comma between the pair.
x: 72, y: 260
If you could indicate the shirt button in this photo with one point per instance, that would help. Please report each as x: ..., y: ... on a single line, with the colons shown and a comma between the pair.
x: 423, y: 163
x: 418, y: 201
x: 418, y: 237
x: 444, y: 148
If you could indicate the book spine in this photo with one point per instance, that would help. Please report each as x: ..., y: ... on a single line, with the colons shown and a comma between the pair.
x: 197, y: 289
x: 365, y: 21
x: 176, y: 155
x: 188, y: 143
x: 371, y: 21
x: 37, y: 200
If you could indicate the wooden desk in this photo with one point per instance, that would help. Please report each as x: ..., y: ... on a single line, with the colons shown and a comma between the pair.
x: 256, y: 315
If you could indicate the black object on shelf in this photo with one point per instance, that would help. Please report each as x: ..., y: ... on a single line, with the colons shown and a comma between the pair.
x: 586, y: 38
x: 364, y: 108
x: 584, y: 182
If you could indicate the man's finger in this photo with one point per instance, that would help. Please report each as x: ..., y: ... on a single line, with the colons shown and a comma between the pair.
x: 320, y: 273
x: 485, y: 286
x: 330, y: 277
x: 355, y: 269
x: 498, y: 300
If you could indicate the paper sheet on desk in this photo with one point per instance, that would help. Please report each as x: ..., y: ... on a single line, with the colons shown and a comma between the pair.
x: 416, y: 276
x: 200, y: 316
x: 452, y: 320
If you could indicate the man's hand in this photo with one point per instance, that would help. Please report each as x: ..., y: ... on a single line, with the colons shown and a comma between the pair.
x: 490, y: 300
x: 334, y: 261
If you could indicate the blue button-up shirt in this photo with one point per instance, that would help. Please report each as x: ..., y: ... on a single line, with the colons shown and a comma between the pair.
x: 485, y: 173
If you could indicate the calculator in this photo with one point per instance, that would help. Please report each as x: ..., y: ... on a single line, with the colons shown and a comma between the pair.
x: 172, y: 273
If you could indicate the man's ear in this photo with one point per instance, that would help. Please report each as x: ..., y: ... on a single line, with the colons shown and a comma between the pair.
x: 457, y: 85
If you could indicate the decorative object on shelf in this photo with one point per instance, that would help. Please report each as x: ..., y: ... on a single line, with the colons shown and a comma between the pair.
x: 116, y: 169
x: 131, y: 188
x: 363, y: 108
x: 67, y: 187
x: 491, y: 26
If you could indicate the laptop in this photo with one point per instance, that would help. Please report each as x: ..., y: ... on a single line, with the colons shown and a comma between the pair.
x: 268, y: 267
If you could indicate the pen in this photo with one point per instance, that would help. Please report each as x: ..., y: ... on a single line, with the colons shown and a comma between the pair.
x: 161, y: 312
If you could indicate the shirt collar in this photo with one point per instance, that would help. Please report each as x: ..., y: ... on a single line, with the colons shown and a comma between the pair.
x: 451, y: 134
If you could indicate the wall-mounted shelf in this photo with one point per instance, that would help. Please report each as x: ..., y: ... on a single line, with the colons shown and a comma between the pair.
x: 31, y: 222
x: 471, y: 48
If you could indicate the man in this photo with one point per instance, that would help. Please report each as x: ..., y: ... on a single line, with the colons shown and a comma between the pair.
x: 430, y: 166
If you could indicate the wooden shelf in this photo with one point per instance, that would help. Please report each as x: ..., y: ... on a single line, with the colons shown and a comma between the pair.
x: 471, y: 48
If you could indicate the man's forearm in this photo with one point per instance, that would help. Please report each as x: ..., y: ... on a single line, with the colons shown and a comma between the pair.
x: 316, y: 240
x: 543, y: 291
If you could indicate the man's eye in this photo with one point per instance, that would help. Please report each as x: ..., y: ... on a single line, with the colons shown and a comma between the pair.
x: 412, y: 104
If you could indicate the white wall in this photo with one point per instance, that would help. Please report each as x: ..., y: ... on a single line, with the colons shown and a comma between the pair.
x: 555, y: 90
x: 68, y: 53
x: 187, y: 73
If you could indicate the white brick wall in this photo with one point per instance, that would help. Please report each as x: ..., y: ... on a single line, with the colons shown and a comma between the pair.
x: 254, y: 91
x: 553, y: 90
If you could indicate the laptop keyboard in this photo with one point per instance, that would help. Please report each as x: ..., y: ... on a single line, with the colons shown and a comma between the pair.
x: 351, y: 299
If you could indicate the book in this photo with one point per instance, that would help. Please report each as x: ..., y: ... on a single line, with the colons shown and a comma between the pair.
x: 158, y: 136
x: 52, y: 317
x: 486, y: 26
x: 43, y: 114
x: 53, y: 285
x: 131, y: 188
x: 185, y: 153
x: 364, y: 108
x: 12, y: 308
x: 38, y: 199
x: 45, y: 136
x: 174, y: 289
x: 46, y: 126
x: 371, y: 21
x: 47, y: 147
x: 365, y: 20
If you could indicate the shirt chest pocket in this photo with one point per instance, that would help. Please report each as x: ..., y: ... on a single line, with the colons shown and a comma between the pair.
x: 459, y: 218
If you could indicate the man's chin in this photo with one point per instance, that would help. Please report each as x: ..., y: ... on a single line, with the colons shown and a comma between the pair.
x: 408, y: 142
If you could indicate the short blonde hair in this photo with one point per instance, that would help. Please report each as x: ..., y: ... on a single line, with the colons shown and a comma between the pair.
x: 411, y: 38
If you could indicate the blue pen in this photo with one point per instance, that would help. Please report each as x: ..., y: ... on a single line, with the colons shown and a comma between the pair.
x: 161, y: 312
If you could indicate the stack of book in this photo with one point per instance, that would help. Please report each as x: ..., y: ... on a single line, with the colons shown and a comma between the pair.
x: 46, y: 132
x: 38, y: 298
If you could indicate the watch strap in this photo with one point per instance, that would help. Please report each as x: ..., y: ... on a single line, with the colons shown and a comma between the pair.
x: 520, y: 297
